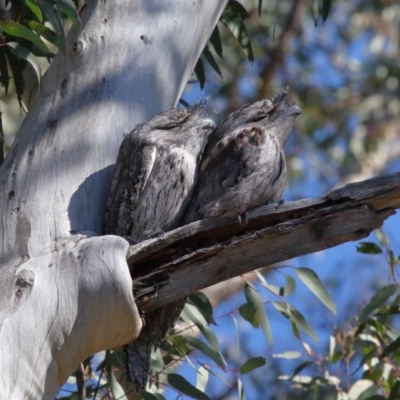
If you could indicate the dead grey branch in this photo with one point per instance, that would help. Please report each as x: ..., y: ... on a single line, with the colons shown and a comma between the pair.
x: 214, y: 250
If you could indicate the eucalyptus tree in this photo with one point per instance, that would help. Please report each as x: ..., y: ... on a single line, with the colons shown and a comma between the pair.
x: 65, y: 289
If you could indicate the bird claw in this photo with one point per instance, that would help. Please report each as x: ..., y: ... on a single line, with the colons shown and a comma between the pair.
x: 279, y: 203
x: 158, y: 234
x: 243, y: 218
x: 130, y: 240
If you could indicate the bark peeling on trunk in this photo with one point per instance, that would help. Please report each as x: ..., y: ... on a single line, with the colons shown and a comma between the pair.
x: 64, y: 296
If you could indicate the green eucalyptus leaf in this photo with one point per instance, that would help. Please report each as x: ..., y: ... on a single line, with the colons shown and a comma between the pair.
x: 192, y: 314
x: 179, y: 346
x: 388, y: 310
x: 251, y: 364
x: 260, y: 277
x: 191, y: 365
x: 48, y: 34
x: 368, y: 248
x: 156, y: 364
x: 233, y: 20
x: 254, y: 298
x: 300, y: 367
x: 288, y: 355
x: 102, y: 365
x: 116, y: 389
x: 378, y: 299
x: 289, y: 287
x: 396, y: 301
x: 18, y: 30
x: 394, y: 392
x: 22, y: 52
x: 312, y: 281
x: 211, y: 337
x: 237, y: 336
x: 215, y: 374
x: 182, y: 385
x: 68, y: 8
x: 116, y: 359
x: 211, y: 60
x: 303, y: 325
x: 4, y: 75
x: 390, y: 348
x: 151, y: 396
x: 358, y: 388
x: 275, y: 289
x: 201, y: 302
x: 315, y: 11
x: 200, y: 74
x: 326, y: 7
x: 259, y: 7
x: 283, y: 308
x: 382, y: 237
x: 184, y: 102
x: 35, y: 9
x: 216, y: 42
x: 202, y: 378
x: 366, y: 358
x: 51, y: 14
x: 241, y: 393
x: 296, y: 318
x: 238, y: 9
x: 295, y: 330
x: 216, y: 356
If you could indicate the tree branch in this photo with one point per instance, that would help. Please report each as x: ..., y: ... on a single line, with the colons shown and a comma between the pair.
x: 277, y: 54
x: 206, y: 252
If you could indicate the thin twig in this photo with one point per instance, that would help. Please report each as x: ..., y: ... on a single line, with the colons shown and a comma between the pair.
x: 1, y: 139
x: 81, y: 381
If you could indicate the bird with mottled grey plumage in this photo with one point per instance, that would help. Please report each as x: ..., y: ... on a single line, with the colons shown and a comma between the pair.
x: 244, y: 166
x: 155, y: 174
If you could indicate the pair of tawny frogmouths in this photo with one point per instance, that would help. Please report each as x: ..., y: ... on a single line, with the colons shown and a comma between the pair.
x: 178, y: 168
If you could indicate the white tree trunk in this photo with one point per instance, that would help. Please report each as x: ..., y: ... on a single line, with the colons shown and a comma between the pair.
x: 64, y: 296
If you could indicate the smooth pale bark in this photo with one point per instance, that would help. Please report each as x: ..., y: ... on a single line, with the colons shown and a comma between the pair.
x: 62, y: 295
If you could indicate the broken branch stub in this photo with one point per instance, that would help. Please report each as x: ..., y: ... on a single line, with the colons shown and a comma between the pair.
x: 85, y: 285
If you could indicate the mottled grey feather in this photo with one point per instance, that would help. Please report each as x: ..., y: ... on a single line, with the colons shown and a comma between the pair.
x: 244, y: 165
x: 156, y: 170
x: 155, y: 174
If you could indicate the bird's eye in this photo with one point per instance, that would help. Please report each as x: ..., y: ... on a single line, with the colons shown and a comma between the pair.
x: 170, y: 126
x: 259, y: 117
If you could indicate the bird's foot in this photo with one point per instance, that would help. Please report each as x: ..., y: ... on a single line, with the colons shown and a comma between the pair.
x: 279, y: 203
x: 243, y: 218
x: 130, y: 240
x: 158, y: 234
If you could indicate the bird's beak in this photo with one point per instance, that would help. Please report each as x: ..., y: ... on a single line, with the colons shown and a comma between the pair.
x: 207, y: 124
x: 295, y: 111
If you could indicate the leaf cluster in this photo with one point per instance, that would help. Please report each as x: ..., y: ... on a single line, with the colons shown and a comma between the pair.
x: 27, y: 29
